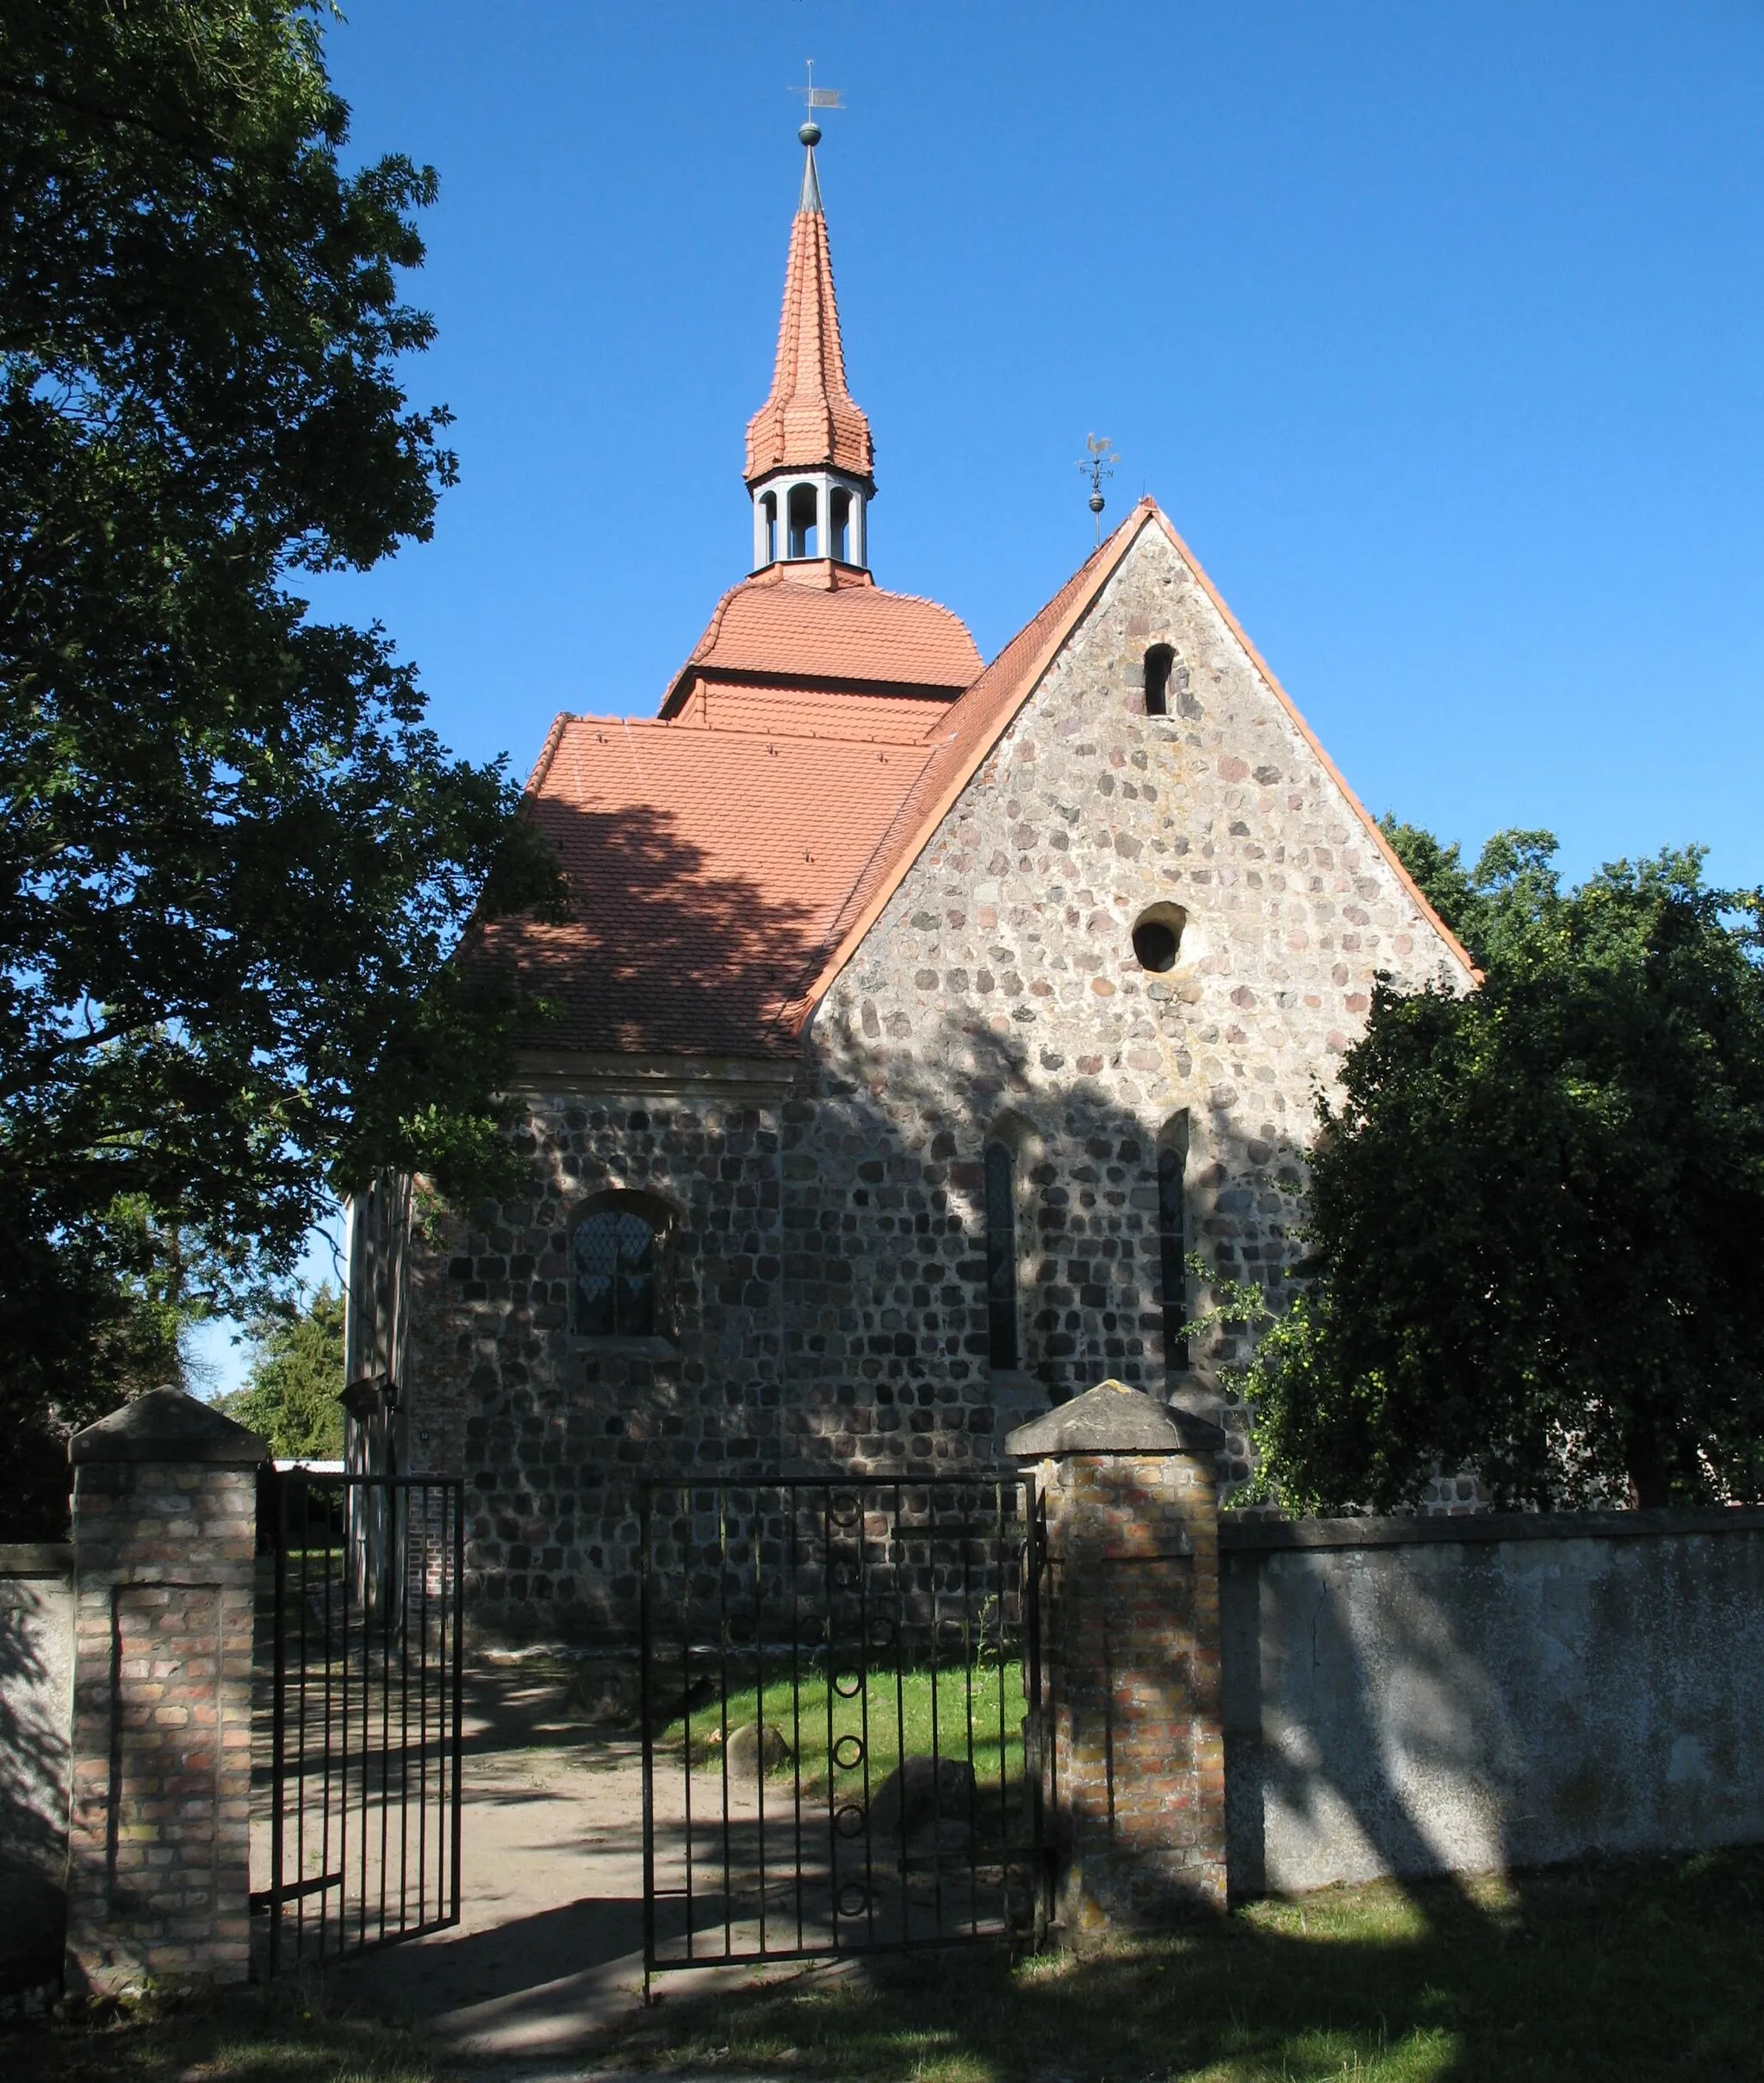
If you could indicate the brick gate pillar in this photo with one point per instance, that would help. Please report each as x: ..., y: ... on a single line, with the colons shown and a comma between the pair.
x: 1133, y: 1743
x: 164, y: 1534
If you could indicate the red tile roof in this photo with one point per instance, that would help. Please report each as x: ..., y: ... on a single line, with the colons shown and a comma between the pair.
x: 818, y: 621
x: 809, y: 418
x: 740, y: 704
x: 707, y: 871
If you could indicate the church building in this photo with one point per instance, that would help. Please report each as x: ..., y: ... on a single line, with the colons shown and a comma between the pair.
x: 921, y: 1019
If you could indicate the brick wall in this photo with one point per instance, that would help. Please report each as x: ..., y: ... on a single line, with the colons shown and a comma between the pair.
x: 159, y: 1819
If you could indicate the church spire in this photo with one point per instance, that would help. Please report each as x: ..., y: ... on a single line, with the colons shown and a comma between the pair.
x: 810, y: 460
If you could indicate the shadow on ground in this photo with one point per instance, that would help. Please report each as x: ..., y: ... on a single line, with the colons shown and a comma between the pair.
x: 1604, y: 1974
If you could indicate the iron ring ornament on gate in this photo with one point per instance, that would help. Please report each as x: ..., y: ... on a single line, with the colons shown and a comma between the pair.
x: 875, y: 1642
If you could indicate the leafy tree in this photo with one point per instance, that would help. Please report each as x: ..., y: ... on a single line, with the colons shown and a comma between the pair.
x: 296, y: 1379
x: 233, y: 860
x: 1536, y: 1212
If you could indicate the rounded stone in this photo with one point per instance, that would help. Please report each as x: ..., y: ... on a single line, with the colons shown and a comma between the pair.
x: 752, y: 1749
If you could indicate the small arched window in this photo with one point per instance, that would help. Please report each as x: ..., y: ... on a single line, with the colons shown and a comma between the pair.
x: 1158, y: 661
x: 839, y: 526
x: 1001, y: 1348
x: 1173, y: 1239
x: 802, y: 516
x: 768, y: 510
x: 613, y: 1264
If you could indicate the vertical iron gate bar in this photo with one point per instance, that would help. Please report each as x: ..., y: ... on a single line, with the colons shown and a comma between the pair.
x: 796, y: 1714
x: 1004, y: 1762
x: 1031, y: 1685
x: 404, y: 1718
x: 833, y: 1886
x: 760, y: 1721
x: 686, y: 1712
x: 300, y: 1833
x: 278, y: 1725
x: 456, y: 1492
x: 423, y: 1714
x: 897, y: 1554
x: 646, y: 1698
x: 723, y: 1683
x: 967, y: 1671
x: 864, y: 1712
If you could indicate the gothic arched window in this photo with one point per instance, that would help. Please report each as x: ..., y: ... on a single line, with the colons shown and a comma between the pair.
x: 1173, y: 1240
x: 1000, y: 1255
x: 1158, y: 661
x: 613, y: 1264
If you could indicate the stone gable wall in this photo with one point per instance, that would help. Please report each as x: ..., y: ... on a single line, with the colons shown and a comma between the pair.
x: 828, y: 1306
x: 1001, y: 979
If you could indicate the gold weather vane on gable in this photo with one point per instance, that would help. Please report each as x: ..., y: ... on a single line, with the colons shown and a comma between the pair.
x: 1100, y: 463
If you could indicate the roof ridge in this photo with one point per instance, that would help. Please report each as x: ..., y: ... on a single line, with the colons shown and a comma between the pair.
x: 548, y: 752
x: 707, y: 642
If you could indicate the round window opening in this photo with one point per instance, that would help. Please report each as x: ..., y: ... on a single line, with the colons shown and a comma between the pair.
x: 1158, y: 938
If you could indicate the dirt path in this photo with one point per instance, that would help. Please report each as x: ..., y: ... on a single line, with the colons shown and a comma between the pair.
x: 549, y: 1953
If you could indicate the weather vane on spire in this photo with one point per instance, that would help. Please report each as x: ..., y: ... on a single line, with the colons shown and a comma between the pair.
x: 1100, y: 463
x: 815, y: 97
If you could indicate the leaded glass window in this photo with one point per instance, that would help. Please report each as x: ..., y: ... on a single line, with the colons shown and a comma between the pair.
x: 1001, y: 1256
x: 614, y: 1264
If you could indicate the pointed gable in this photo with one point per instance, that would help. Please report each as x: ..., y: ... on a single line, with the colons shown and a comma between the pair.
x: 973, y: 726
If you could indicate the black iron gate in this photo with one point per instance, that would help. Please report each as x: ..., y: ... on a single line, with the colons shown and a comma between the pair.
x: 838, y: 1753
x: 356, y: 1814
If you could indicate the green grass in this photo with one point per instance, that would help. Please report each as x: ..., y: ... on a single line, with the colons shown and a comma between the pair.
x: 1619, y: 1973
x: 967, y: 1704
x: 287, y: 2036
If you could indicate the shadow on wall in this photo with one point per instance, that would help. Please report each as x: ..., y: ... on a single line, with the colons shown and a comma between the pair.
x: 35, y: 1647
x: 1474, y: 1704
x: 913, y: 1117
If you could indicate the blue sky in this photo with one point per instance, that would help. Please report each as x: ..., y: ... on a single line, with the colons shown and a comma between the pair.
x: 1437, y: 330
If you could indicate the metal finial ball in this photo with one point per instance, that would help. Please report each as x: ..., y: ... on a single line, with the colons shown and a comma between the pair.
x: 810, y: 132
x: 1097, y: 502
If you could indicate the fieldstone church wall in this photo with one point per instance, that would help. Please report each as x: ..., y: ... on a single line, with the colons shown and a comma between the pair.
x: 825, y: 1271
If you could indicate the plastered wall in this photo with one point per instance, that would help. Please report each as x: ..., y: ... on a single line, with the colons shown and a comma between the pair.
x: 1400, y: 1698
x: 36, y: 1695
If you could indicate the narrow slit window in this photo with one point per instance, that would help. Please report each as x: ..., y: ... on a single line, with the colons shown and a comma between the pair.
x: 1158, y: 661
x: 1001, y: 1256
x: 1172, y: 1249
x: 613, y: 1268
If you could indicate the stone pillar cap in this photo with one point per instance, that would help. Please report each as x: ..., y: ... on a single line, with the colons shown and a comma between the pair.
x: 166, y: 1425
x: 1112, y: 1419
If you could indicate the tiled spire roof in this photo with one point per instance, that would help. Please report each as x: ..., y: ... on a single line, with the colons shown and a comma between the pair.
x: 810, y: 420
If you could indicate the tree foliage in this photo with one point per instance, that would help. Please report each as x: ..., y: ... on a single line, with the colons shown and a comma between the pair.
x: 233, y: 859
x: 291, y: 1395
x: 1537, y: 1210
